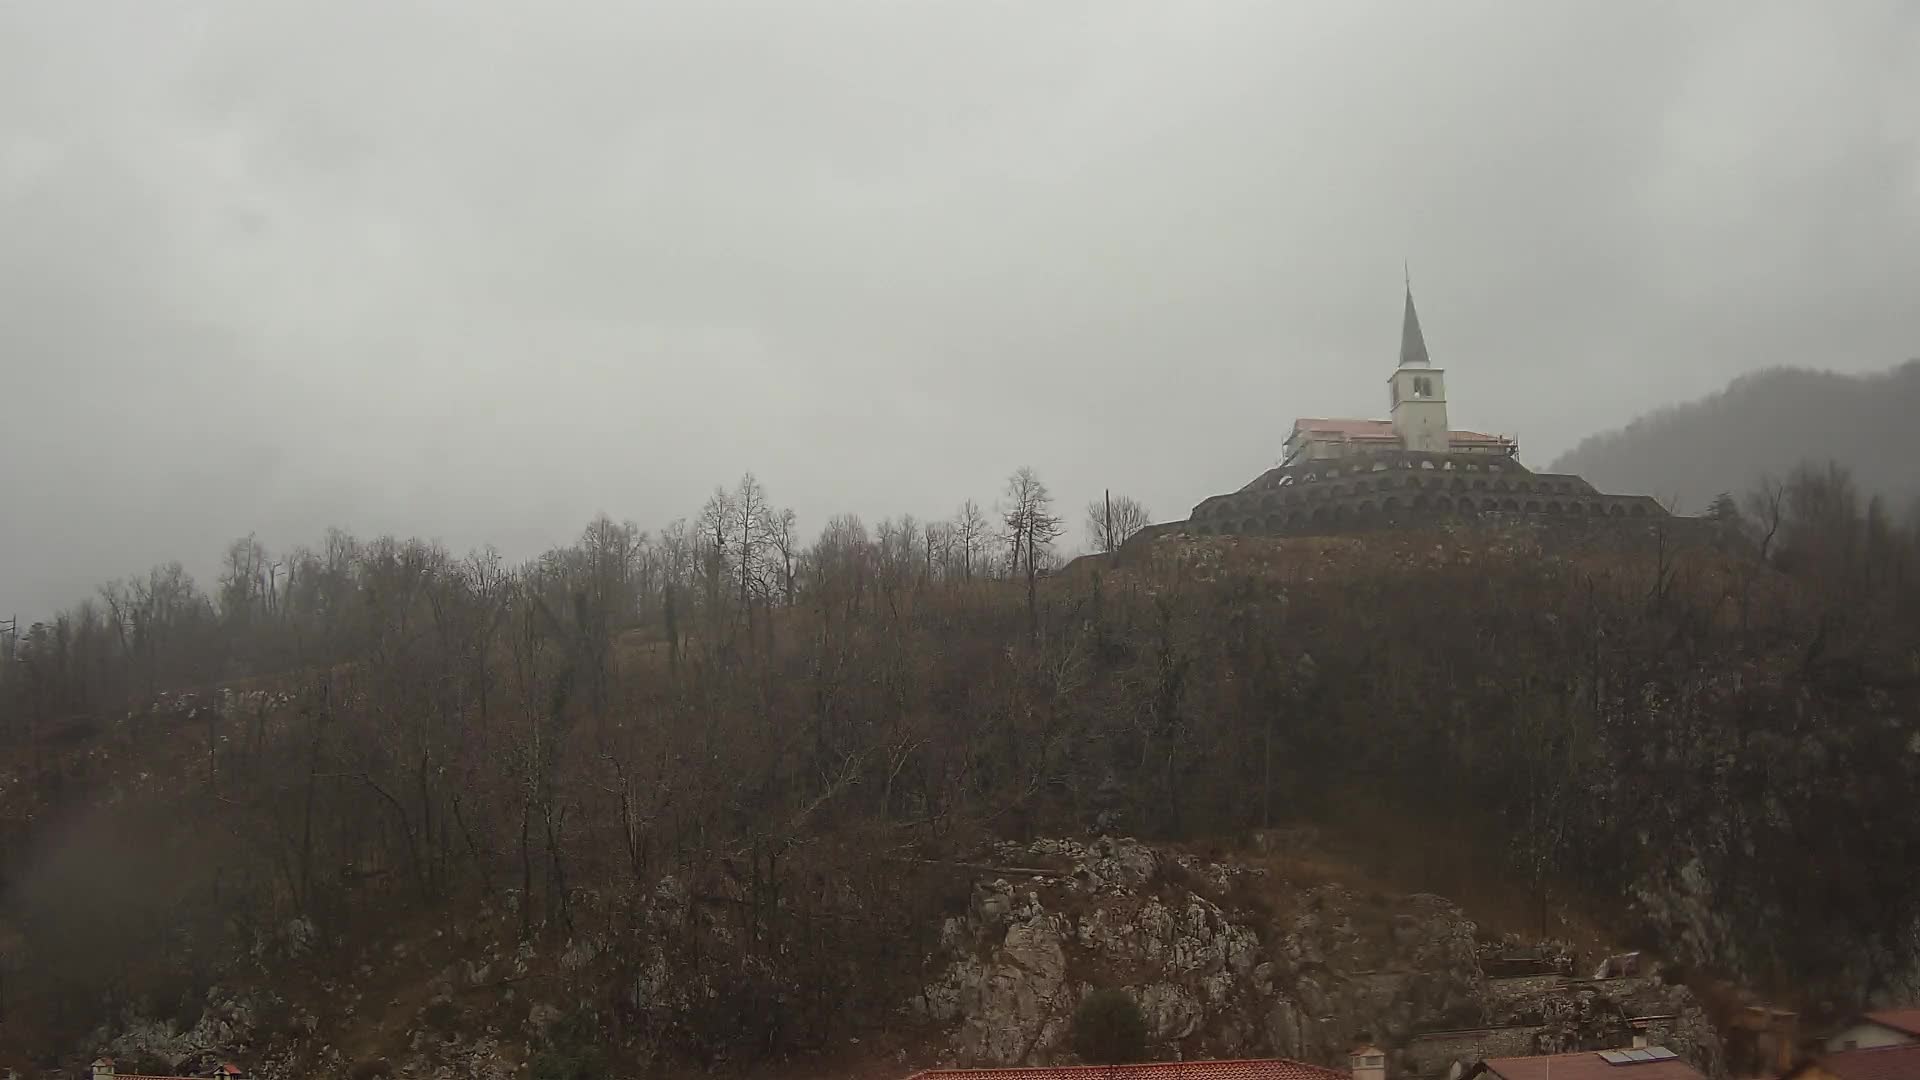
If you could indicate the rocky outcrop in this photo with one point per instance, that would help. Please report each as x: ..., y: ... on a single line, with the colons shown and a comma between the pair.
x: 455, y: 1059
x: 226, y: 1024
x: 1222, y: 959
x: 1223, y: 962
x: 1161, y: 926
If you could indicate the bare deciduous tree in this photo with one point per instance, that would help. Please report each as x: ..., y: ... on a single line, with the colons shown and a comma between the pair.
x: 1766, y: 509
x: 748, y: 529
x: 937, y: 539
x: 842, y: 565
x: 784, y: 539
x: 970, y: 536
x: 714, y: 538
x: 1031, y: 529
x: 1112, y: 520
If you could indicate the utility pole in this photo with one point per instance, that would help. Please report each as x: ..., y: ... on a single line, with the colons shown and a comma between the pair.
x: 1107, y: 540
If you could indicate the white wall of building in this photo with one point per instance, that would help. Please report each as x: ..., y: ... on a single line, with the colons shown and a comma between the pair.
x: 1867, y: 1036
x: 1420, y: 409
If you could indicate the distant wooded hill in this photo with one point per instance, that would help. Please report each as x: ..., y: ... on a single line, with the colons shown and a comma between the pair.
x: 1766, y: 422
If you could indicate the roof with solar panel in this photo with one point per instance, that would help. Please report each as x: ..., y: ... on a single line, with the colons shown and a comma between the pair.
x: 1638, y: 1063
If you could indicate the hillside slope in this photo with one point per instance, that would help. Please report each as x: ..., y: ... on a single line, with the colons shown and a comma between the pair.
x: 1766, y: 422
x: 851, y: 836
x: 1276, y: 949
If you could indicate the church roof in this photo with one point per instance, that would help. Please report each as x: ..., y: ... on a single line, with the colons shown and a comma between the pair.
x: 1351, y: 428
x: 1413, y: 344
x: 1374, y: 430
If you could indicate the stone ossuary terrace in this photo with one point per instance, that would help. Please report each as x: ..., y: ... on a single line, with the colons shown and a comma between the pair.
x: 1385, y: 487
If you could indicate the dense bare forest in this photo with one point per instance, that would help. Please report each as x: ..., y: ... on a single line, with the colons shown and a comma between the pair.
x: 1765, y: 422
x: 794, y: 738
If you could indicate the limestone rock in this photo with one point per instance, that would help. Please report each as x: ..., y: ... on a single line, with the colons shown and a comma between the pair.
x: 580, y: 952
x: 1334, y: 966
x: 1172, y: 1012
x: 1016, y: 1000
x: 226, y: 1022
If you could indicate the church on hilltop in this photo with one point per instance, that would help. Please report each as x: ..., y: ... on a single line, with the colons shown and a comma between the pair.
x: 1345, y: 474
x: 1418, y: 420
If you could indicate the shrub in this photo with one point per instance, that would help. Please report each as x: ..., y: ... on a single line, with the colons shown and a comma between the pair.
x: 1108, y: 1029
x: 553, y: 1064
x: 572, y: 1051
x: 441, y: 1016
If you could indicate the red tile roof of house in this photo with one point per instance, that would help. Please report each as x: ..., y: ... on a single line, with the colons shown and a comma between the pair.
x: 1256, y: 1069
x: 1873, y: 1063
x: 229, y: 1069
x: 1907, y: 1020
x: 1589, y: 1065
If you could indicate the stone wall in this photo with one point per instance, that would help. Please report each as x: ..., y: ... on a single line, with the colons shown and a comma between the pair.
x: 1558, y: 533
x: 1433, y: 1053
x: 1399, y: 499
x: 1621, y: 986
x: 1512, y: 989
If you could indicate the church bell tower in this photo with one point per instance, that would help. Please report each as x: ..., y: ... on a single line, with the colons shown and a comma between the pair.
x: 1419, y: 390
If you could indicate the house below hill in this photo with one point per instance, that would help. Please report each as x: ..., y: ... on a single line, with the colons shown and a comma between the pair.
x: 1368, y: 1063
x: 103, y: 1069
x: 1887, y: 1062
x: 1640, y: 1063
x: 1882, y: 1027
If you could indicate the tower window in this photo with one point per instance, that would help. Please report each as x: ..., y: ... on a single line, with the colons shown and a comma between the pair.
x: 1422, y: 386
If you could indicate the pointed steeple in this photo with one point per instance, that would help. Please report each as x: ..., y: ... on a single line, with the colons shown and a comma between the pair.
x: 1413, y: 345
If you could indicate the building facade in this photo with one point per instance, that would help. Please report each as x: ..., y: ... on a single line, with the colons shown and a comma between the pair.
x: 1883, y: 1027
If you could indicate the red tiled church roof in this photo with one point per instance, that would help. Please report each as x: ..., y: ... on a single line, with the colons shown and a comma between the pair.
x: 1351, y: 428
x: 1254, y: 1069
x: 1375, y: 429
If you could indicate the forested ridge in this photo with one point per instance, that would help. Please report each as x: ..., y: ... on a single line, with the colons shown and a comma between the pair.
x: 1707, y: 744
x: 1764, y: 423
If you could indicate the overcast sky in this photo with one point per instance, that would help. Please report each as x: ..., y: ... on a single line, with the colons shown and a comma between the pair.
x: 476, y: 271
